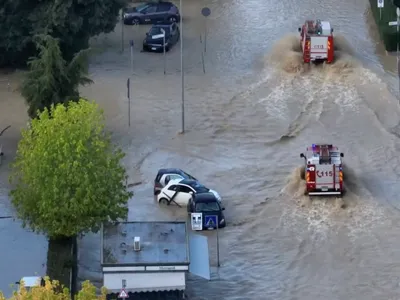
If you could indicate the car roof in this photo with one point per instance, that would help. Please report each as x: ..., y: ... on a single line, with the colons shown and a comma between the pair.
x: 205, y: 197
x: 163, y: 25
x: 161, y: 2
x: 158, y: 3
x: 174, y: 181
x: 190, y: 182
x: 170, y: 170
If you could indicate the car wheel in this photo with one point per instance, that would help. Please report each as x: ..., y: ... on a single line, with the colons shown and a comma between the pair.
x: 135, y: 21
x: 164, y: 201
x: 173, y: 19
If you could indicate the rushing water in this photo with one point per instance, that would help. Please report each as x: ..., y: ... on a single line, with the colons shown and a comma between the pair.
x: 247, y: 119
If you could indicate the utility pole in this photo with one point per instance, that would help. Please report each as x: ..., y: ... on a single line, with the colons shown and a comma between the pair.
x: 182, y: 71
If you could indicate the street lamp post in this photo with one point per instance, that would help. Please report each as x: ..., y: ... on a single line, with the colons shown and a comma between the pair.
x: 397, y: 41
x: 182, y: 72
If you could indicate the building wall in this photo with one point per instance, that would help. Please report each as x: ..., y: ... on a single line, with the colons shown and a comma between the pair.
x: 136, y: 282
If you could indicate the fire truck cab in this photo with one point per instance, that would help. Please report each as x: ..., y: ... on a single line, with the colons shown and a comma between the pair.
x: 323, y: 170
x: 316, y: 41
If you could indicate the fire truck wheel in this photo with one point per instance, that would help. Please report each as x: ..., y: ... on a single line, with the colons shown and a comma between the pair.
x: 303, y: 174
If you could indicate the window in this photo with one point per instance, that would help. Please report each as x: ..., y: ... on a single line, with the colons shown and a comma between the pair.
x: 185, y: 189
x: 157, y: 31
x: 174, y: 176
x: 162, y: 7
x: 172, y: 187
x: 199, y: 188
x: 150, y: 9
x: 188, y: 175
x: 207, y: 206
x: 142, y: 7
x: 158, y: 177
x: 170, y: 177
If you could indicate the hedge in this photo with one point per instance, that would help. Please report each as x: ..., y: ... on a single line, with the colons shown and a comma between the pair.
x: 388, y: 33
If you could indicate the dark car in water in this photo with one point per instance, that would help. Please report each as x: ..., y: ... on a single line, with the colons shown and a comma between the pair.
x: 211, y: 209
x: 151, y: 13
x: 155, y: 39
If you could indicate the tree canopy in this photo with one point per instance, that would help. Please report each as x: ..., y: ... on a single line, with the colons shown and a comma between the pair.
x: 52, y: 80
x: 73, y: 22
x: 53, y: 291
x: 67, y: 174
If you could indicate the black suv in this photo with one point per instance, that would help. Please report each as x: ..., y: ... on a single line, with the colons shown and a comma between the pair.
x: 154, y: 40
x: 151, y: 13
x: 211, y: 209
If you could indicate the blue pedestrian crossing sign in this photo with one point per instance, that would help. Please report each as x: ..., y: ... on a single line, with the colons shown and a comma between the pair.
x: 210, y: 221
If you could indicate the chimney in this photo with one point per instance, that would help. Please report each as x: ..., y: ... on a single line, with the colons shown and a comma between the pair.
x: 136, y: 243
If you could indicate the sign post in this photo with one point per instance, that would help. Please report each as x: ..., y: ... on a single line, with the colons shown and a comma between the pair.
x: 212, y: 221
x: 218, y: 264
x: 380, y: 5
x: 123, y: 294
x: 122, y: 31
x: 397, y: 24
x: 182, y: 72
x: 398, y: 27
x: 205, y: 12
x: 131, y: 44
x: 165, y: 58
x: 128, y: 87
x: 197, y: 221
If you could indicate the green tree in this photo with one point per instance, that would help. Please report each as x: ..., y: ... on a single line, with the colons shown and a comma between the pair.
x: 54, y: 291
x: 51, y: 80
x: 67, y: 174
x: 73, y: 22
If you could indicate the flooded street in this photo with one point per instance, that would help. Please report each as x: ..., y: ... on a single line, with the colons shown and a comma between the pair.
x: 247, y: 119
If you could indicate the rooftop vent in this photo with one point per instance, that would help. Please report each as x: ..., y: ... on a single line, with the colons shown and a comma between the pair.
x: 136, y: 243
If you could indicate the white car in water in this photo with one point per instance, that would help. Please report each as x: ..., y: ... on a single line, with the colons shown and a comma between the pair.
x: 180, y: 191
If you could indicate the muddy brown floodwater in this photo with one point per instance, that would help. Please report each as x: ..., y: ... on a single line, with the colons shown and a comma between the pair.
x: 247, y: 120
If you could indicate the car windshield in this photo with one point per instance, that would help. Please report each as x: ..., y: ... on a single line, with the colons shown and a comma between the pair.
x: 207, y: 206
x: 189, y: 176
x: 157, y: 30
x: 139, y: 8
x: 199, y: 188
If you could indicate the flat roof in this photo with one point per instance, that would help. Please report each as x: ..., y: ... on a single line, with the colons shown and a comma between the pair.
x: 160, y: 242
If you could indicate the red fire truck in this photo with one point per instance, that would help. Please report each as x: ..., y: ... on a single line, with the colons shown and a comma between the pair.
x: 323, y: 170
x: 316, y: 41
